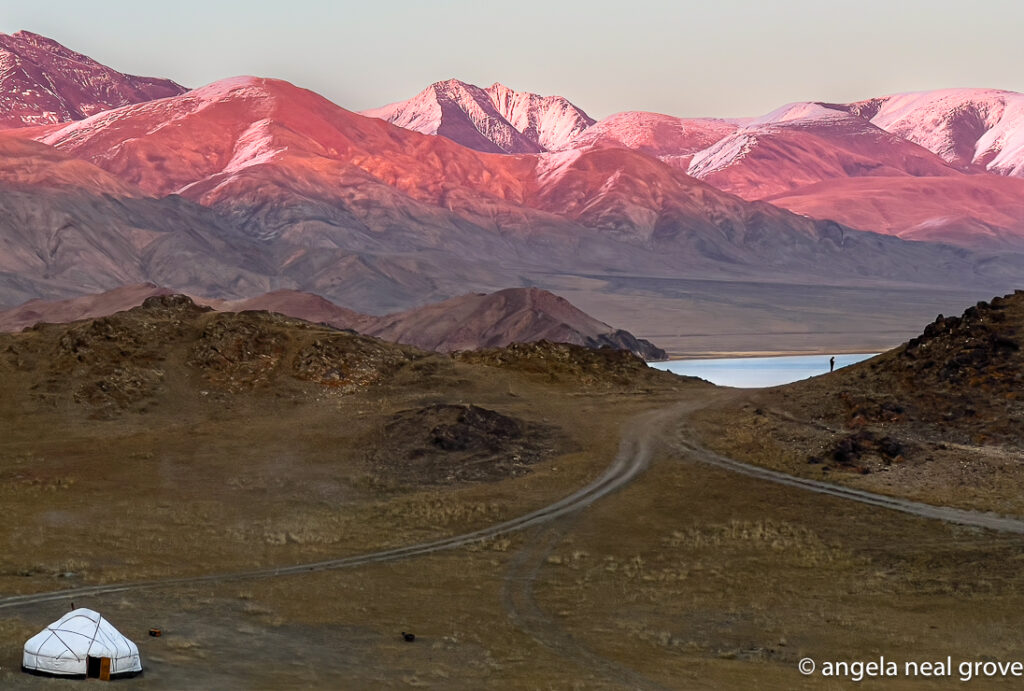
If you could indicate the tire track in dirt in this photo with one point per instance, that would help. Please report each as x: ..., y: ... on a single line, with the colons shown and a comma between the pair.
x: 948, y: 514
x: 517, y: 594
x: 527, y: 615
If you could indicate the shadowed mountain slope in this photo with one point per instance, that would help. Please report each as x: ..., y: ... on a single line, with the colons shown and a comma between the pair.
x: 68, y: 227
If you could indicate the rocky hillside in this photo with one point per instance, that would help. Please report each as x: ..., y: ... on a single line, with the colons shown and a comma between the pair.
x: 73, y: 309
x: 134, y: 359
x: 566, y: 363
x: 940, y: 418
x: 964, y: 376
x: 962, y: 379
x: 464, y: 323
x: 169, y: 347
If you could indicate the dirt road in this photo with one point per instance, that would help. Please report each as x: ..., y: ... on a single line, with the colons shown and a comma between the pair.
x: 685, y: 443
x: 634, y: 455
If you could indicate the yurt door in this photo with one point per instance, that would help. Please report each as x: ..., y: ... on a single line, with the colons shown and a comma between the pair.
x: 98, y: 668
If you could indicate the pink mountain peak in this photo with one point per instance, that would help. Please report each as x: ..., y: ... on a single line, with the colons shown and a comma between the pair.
x: 42, y: 82
x: 497, y: 119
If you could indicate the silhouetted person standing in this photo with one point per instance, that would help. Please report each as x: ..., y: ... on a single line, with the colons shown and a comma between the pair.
x: 832, y: 364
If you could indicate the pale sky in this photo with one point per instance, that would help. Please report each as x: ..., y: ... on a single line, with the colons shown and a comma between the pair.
x: 718, y: 58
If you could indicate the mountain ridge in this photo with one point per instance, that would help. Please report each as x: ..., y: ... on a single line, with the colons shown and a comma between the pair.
x: 383, y: 218
x: 43, y: 82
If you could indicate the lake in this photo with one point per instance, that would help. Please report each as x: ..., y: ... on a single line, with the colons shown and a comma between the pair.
x: 756, y: 372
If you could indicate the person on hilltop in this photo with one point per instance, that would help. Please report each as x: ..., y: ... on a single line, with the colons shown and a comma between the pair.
x: 832, y: 364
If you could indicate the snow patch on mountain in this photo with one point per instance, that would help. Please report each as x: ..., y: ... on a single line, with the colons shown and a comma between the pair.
x: 254, y: 146
x: 726, y: 152
x: 969, y: 128
x: 796, y: 113
x: 551, y: 167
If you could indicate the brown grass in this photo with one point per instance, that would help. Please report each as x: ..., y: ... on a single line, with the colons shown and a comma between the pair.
x: 691, y: 577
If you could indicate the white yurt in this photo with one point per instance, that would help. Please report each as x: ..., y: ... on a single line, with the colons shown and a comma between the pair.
x: 81, y: 643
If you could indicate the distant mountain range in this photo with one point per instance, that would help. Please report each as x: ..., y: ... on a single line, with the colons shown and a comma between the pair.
x: 800, y: 156
x: 317, y: 198
x: 252, y: 185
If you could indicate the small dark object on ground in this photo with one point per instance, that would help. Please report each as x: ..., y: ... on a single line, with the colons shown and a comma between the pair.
x: 408, y: 637
x: 156, y: 633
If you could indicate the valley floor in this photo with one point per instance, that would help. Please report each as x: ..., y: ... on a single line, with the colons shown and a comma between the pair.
x: 725, y: 318
x: 691, y: 576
